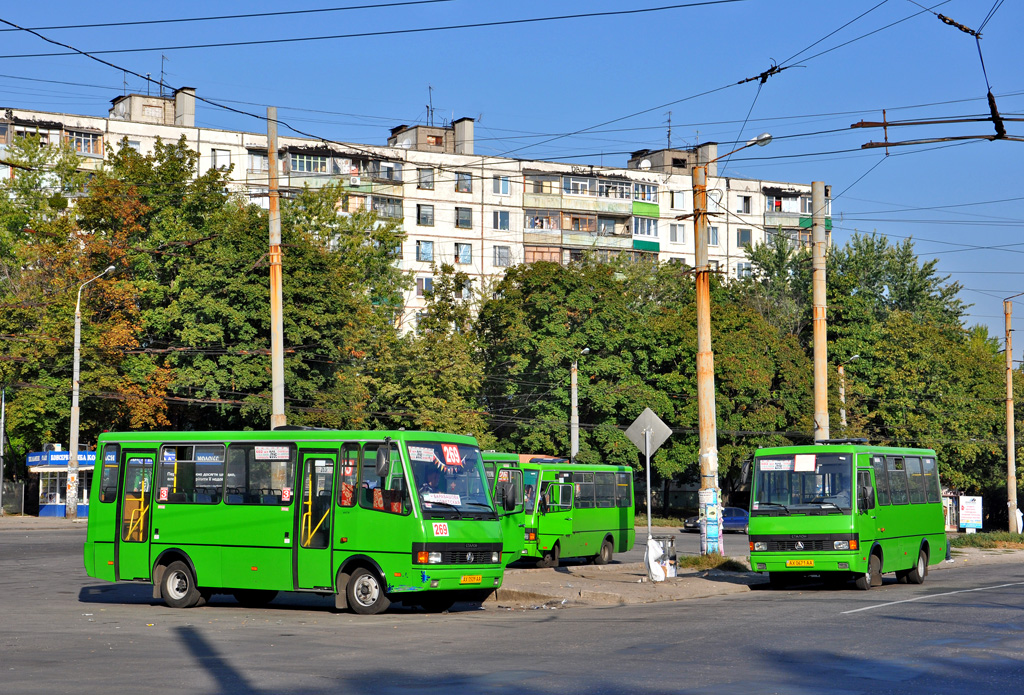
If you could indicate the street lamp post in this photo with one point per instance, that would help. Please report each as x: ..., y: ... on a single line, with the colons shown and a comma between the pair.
x: 842, y: 391
x: 71, y: 503
x: 574, y: 417
x: 709, y: 495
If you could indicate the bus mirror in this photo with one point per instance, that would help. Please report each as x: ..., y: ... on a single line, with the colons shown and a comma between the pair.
x: 745, y: 474
x: 509, y: 498
x: 867, y: 498
x: 383, y: 459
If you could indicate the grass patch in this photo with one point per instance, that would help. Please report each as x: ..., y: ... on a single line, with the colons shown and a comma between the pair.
x: 991, y: 540
x: 710, y: 562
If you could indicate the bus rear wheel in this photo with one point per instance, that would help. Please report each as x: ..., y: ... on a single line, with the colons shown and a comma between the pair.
x: 366, y: 594
x: 178, y: 587
x: 917, y: 573
x: 605, y: 556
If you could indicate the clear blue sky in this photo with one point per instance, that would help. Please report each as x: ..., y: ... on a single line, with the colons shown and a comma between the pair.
x: 532, y: 85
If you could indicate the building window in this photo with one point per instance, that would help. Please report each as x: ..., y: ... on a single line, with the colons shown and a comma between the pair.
x: 713, y: 266
x: 425, y: 251
x: 533, y: 254
x: 541, y: 184
x: 605, y: 226
x: 390, y: 208
x: 425, y: 215
x: 463, y: 253
x: 578, y: 222
x: 744, y: 237
x: 466, y: 291
x: 645, y: 226
x: 542, y: 220
x: 501, y: 186
x: 676, y: 233
x: 425, y: 179
x: 135, y: 145
x: 502, y: 256
x: 743, y: 204
x: 646, y: 192
x: 774, y: 203
x: 220, y: 159
x: 744, y: 270
x: 258, y: 162
x: 86, y: 143
x: 677, y: 200
x: 501, y: 220
x: 613, y: 189
x: 464, y: 218
x: 424, y: 286
x: 463, y: 182
x: 309, y: 163
x: 806, y: 205
x: 435, y: 140
x: 389, y: 171
x: 575, y: 185
x: 712, y: 236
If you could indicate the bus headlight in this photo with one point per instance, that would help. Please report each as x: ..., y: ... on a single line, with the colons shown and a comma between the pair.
x: 495, y: 558
x: 434, y: 557
x: 760, y: 545
x: 841, y: 545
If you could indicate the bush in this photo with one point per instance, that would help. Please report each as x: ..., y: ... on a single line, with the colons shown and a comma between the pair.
x: 993, y: 539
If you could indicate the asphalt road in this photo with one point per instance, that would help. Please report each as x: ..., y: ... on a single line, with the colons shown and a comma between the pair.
x: 60, y: 630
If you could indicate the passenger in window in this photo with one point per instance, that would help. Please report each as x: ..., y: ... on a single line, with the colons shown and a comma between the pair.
x: 433, y: 481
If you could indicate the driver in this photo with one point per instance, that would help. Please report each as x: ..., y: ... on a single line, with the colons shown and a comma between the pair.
x: 432, y: 483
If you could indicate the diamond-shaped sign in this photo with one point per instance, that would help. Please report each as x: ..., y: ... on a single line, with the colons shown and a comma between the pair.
x: 658, y: 429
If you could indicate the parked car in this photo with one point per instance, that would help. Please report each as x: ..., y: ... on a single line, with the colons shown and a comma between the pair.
x: 733, y: 519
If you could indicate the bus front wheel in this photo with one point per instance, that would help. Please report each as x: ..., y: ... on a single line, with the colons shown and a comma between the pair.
x: 178, y: 587
x: 366, y: 594
x: 551, y: 557
x: 873, y: 577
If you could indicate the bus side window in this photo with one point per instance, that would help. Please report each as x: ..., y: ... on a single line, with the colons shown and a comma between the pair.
x: 348, y: 475
x: 383, y: 493
x: 881, y: 481
x: 623, y: 490
x: 897, y: 472
x: 918, y: 493
x: 931, y: 476
x: 108, y: 478
x: 865, y: 495
x: 604, y: 487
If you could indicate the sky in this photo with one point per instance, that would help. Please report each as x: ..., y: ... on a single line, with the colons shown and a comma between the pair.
x: 595, y: 84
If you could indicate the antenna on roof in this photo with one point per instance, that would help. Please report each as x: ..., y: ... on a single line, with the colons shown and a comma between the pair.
x: 430, y: 105
x: 163, y: 59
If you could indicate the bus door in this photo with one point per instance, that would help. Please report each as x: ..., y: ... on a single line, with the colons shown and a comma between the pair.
x: 315, y: 517
x: 555, y: 523
x: 132, y: 552
x: 513, y: 522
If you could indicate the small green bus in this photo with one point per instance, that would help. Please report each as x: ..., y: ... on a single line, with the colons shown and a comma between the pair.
x: 368, y: 517
x: 846, y: 510
x: 570, y: 510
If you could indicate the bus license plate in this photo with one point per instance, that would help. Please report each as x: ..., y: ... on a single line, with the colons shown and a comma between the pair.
x: 471, y: 579
x: 799, y: 563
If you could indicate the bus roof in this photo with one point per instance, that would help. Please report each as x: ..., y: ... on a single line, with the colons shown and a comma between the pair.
x: 290, y: 435
x: 851, y: 448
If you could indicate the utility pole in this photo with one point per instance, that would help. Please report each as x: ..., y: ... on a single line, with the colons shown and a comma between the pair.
x: 3, y: 413
x: 574, y: 416
x: 1011, y: 454
x: 277, y: 416
x: 709, y: 496
x: 818, y: 244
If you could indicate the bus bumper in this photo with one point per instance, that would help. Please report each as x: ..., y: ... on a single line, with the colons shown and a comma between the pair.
x: 435, y: 578
x: 809, y: 563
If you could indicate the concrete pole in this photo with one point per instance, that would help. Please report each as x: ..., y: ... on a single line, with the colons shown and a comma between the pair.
x: 3, y: 414
x: 842, y: 397
x: 71, y: 500
x: 818, y: 243
x: 277, y: 417
x: 574, y: 417
x: 1011, y: 452
x: 706, y: 416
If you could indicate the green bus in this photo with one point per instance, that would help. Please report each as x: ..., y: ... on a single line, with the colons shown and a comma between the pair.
x: 845, y: 510
x: 368, y: 517
x: 570, y: 510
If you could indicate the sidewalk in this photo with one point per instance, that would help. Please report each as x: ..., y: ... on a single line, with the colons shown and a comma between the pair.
x: 9, y: 522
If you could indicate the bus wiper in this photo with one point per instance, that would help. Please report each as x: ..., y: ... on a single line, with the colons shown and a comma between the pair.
x: 446, y: 504
x: 776, y: 504
x: 833, y: 504
x: 485, y: 506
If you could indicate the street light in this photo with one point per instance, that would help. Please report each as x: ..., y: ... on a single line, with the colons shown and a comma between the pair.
x: 71, y: 503
x: 574, y: 418
x: 709, y: 495
x: 842, y: 390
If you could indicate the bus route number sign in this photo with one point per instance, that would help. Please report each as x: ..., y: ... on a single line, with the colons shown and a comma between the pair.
x: 440, y: 529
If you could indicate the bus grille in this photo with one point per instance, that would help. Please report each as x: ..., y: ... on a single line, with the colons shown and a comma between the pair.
x: 791, y: 545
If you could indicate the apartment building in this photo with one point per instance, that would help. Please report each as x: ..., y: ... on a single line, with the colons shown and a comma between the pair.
x: 480, y: 213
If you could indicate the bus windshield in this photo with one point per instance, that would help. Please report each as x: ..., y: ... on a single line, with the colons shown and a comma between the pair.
x: 450, y: 479
x: 803, y: 482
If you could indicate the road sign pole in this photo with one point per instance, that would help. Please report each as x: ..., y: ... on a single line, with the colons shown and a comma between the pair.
x: 647, y: 452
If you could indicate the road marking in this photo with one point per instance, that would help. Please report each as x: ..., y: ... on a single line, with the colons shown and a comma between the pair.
x: 919, y: 598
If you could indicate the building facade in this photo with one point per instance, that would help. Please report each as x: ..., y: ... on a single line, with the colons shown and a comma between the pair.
x: 481, y: 214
